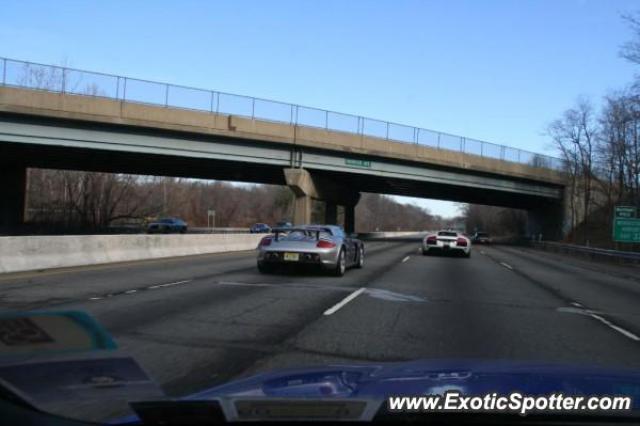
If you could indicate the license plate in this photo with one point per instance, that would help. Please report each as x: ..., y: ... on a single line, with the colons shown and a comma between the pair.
x: 292, y: 257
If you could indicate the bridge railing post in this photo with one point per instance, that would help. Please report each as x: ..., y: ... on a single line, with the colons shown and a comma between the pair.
x: 481, y: 149
x: 4, y: 71
x: 387, y: 137
x: 124, y: 89
x: 211, y: 102
x: 439, y: 134
x: 166, y: 95
x: 326, y: 120
x: 253, y: 108
x: 64, y: 80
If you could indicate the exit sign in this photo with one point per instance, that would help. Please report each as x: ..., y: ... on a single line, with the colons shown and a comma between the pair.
x: 626, y: 212
x: 626, y: 225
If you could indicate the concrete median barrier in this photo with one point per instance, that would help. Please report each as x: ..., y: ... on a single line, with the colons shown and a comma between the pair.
x: 47, y: 252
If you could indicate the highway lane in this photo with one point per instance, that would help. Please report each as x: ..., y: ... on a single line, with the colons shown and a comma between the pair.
x: 198, y: 321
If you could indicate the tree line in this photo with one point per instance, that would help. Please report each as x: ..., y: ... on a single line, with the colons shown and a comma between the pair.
x: 63, y: 201
x: 600, y: 149
x: 601, y: 152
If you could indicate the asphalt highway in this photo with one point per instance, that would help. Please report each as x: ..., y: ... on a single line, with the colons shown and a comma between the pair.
x: 199, y: 321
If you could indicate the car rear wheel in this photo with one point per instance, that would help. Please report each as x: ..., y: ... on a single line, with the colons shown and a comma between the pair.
x: 468, y: 254
x: 341, y: 266
x: 360, y: 262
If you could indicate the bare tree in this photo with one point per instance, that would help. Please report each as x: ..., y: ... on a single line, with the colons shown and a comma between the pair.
x: 631, y: 49
x: 575, y: 136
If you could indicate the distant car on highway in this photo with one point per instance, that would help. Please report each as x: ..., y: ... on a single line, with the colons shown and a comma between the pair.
x: 481, y: 238
x: 446, y: 242
x: 260, y: 228
x: 324, y: 246
x: 167, y: 226
x: 283, y: 224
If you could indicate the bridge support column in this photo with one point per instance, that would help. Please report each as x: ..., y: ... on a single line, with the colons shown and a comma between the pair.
x: 546, y: 221
x: 350, y: 218
x: 13, y: 190
x: 302, y: 210
x: 331, y: 213
x: 308, y: 187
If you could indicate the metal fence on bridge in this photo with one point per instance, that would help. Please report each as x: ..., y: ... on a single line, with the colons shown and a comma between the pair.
x: 66, y: 80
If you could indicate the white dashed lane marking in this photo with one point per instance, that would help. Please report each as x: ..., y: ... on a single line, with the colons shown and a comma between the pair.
x: 405, y: 259
x: 611, y: 325
x: 135, y: 290
x: 343, y: 302
x: 169, y: 284
x: 506, y: 265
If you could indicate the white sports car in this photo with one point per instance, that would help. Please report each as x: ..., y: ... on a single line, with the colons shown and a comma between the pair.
x: 446, y: 242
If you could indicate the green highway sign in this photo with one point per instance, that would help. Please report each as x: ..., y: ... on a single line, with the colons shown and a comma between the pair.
x: 626, y: 230
x: 626, y: 212
x: 357, y: 163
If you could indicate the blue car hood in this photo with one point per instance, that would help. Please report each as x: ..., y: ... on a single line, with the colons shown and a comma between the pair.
x: 469, y: 377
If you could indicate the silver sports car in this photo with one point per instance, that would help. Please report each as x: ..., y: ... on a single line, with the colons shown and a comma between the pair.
x: 325, y: 246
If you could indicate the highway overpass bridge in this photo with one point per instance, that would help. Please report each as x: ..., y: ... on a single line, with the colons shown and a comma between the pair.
x: 67, y: 127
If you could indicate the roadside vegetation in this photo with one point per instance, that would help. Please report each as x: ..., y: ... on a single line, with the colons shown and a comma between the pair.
x: 600, y: 145
x: 61, y: 201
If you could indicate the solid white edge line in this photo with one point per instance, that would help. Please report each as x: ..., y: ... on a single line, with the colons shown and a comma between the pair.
x: 506, y: 266
x: 405, y: 259
x: 349, y: 298
x: 620, y: 330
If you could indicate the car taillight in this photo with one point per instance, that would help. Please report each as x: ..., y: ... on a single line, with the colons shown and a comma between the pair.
x: 461, y: 242
x: 266, y: 241
x: 432, y: 240
x: 325, y: 244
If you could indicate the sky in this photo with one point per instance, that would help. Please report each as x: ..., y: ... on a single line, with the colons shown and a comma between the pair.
x: 498, y: 70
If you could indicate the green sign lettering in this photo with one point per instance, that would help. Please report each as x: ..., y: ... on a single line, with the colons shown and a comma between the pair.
x: 627, y: 212
x: 626, y: 230
x: 357, y: 163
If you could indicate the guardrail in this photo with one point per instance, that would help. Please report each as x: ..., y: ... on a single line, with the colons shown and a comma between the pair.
x: 591, y: 252
x: 30, y: 75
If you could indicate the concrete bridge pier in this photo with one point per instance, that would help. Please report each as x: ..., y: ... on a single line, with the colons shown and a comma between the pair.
x: 308, y: 187
x: 13, y: 189
x: 331, y: 213
x: 546, y: 221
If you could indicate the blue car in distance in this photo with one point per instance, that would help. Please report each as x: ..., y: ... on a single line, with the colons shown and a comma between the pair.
x: 170, y: 225
x: 260, y: 228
